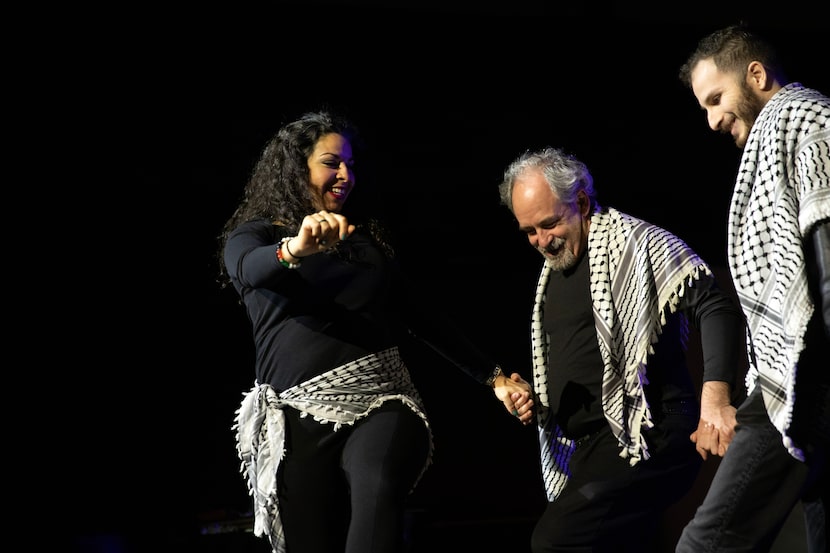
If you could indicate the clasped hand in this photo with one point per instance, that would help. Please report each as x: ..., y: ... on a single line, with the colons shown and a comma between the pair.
x: 715, y: 432
x: 516, y: 395
x: 716, y: 426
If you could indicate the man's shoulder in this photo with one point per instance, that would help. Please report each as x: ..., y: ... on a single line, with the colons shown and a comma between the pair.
x: 796, y: 95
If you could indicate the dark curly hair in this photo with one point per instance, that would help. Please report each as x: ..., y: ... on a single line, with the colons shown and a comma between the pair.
x: 278, y: 189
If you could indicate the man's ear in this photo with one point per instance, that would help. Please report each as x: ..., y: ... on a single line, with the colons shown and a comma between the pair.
x: 758, y: 77
x: 583, y: 202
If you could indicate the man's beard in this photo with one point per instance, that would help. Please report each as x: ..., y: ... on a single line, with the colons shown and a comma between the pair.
x: 563, y: 259
x: 748, y: 107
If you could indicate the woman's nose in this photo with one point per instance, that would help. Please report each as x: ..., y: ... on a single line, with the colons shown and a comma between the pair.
x: 344, y: 172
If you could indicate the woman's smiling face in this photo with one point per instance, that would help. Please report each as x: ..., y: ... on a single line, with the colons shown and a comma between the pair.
x: 331, y: 172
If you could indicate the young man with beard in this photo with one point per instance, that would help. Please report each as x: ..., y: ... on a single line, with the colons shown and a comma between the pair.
x: 779, y: 257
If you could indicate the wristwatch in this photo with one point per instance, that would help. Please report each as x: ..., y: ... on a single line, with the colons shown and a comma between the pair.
x: 492, y: 380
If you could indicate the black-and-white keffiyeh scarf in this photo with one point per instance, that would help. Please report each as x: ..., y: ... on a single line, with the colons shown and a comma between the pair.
x: 340, y: 396
x: 639, y: 273
x: 782, y: 190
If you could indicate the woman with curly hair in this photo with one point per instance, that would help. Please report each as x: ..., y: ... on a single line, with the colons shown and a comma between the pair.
x: 333, y: 436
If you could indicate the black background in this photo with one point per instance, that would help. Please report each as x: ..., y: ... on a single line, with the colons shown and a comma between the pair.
x: 446, y: 94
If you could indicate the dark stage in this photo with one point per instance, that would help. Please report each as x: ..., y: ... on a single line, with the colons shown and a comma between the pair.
x: 446, y: 97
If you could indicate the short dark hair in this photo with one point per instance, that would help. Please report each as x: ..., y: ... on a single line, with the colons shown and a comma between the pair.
x: 732, y: 49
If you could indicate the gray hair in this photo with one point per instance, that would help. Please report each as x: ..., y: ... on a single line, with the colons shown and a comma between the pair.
x: 565, y: 175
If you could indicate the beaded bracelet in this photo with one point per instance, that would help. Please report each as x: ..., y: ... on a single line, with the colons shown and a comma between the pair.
x: 282, y: 259
x: 287, y: 240
x: 496, y: 373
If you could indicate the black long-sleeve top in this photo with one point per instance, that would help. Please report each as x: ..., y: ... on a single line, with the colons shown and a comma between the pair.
x: 575, y: 364
x: 333, y: 309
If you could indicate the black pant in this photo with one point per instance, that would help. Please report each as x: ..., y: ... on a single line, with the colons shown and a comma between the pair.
x: 610, y: 506
x: 345, y: 491
x: 756, y: 486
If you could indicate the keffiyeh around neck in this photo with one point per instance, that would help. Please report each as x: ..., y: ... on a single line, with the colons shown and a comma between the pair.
x: 782, y: 190
x: 638, y: 275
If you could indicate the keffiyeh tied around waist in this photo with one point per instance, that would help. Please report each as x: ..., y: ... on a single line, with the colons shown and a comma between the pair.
x: 340, y: 396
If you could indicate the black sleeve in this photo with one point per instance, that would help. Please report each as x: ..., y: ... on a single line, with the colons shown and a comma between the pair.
x: 722, y: 328
x: 818, y: 269
x: 430, y: 326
